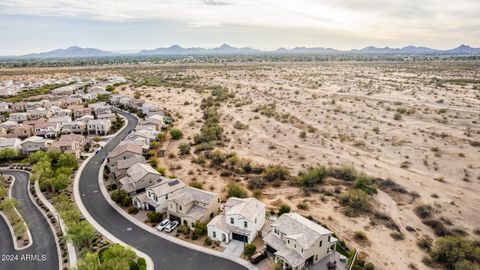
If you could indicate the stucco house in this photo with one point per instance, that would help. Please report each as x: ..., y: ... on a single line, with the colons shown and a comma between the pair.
x: 123, y: 151
x: 18, y: 117
x: 22, y: 131
x: 124, y: 164
x: 189, y: 205
x: 4, y: 107
x: 47, y: 129
x: 242, y: 220
x: 38, y: 113
x: 297, y: 241
x: 34, y: 143
x: 155, y: 197
x: 13, y: 143
x: 139, y: 177
x: 71, y: 143
x: 99, y: 126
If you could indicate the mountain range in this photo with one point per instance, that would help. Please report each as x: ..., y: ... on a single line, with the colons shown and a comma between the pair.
x: 225, y: 49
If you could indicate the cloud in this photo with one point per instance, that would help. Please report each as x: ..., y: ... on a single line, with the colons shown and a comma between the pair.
x: 217, y: 2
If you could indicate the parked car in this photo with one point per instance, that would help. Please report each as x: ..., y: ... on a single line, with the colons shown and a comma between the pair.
x: 258, y: 257
x: 171, y: 226
x: 163, y: 224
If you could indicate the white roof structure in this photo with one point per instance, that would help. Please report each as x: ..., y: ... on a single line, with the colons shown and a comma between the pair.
x: 249, y: 208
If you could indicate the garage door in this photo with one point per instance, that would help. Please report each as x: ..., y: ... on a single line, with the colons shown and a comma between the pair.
x: 173, y: 218
x: 240, y: 237
x: 271, y: 249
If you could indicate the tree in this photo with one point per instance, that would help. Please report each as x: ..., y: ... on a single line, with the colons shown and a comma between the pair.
x: 110, y: 88
x: 184, y: 148
x: 81, y: 233
x: 8, y: 154
x: 176, y: 134
x: 117, y: 257
x: 89, y: 262
x: 249, y: 249
x: 200, y: 228
x: 154, y: 217
x: 118, y: 195
x: 236, y: 190
x: 284, y: 208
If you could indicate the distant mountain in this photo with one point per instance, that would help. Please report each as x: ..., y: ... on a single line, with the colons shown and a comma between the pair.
x: 70, y: 52
x: 226, y: 49
x: 178, y: 50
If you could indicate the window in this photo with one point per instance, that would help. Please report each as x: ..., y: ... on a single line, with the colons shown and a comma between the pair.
x: 320, y: 243
x: 214, y: 234
x: 232, y: 221
x: 329, y: 238
x: 245, y: 224
x: 275, y: 231
x: 288, y: 241
x: 180, y: 207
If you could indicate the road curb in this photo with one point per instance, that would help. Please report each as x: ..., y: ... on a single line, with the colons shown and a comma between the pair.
x: 12, y: 231
x: 72, y: 255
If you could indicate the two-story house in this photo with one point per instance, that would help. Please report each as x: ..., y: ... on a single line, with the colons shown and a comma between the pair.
x: 18, y: 117
x: 72, y: 144
x: 242, y: 220
x: 99, y: 126
x: 123, y: 151
x: 297, y: 241
x: 189, y: 205
x: 139, y: 177
x: 155, y: 197
x: 22, y: 131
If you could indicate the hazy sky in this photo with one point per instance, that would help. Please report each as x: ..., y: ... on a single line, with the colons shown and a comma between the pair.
x: 40, y: 25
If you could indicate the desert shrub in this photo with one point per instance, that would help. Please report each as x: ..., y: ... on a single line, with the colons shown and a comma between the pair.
x: 133, y: 210
x: 240, y: 125
x: 345, y: 172
x: 284, y: 208
x: 425, y: 243
x: 275, y: 173
x: 302, y: 206
x: 118, y: 196
x: 360, y: 236
x: 397, y: 116
x: 154, y: 217
x: 312, y: 176
x: 207, y: 241
x: 184, y: 148
x: 196, y: 184
x: 249, y: 250
x: 369, y: 266
x: 365, y: 183
x: 176, y: 134
x: 456, y: 253
x: 437, y: 226
x: 236, y: 190
x: 356, y: 199
x: 423, y: 211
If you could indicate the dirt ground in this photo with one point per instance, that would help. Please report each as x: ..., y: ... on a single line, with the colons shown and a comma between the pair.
x: 415, y: 123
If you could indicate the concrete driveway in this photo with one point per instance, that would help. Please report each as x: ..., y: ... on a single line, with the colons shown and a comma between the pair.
x: 234, y: 248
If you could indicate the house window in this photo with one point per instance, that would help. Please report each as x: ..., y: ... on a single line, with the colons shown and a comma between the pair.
x: 214, y: 234
x: 180, y: 207
x: 231, y: 221
x: 329, y: 238
x: 275, y: 230
x: 245, y: 224
x: 166, y: 197
x: 288, y: 241
x: 320, y: 243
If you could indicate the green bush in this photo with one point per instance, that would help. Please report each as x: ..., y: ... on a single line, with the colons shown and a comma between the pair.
x: 275, y: 173
x: 154, y: 217
x: 456, y: 252
x: 249, y: 250
x: 369, y: 266
x: 365, y: 183
x: 312, y: 176
x: 236, y: 190
x: 176, y: 134
x: 200, y: 228
x: 284, y: 208
x: 207, y: 241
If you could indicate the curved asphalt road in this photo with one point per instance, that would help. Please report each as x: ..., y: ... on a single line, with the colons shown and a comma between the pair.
x: 165, y: 254
x: 42, y: 254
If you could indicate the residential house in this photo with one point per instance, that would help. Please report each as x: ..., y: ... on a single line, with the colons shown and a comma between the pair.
x: 136, y: 103
x: 22, y: 131
x: 77, y: 127
x: 156, y: 121
x: 124, y: 101
x: 139, y: 177
x: 34, y: 143
x: 79, y: 111
x: 99, y: 126
x: 8, y: 125
x: 123, y: 151
x: 13, y: 143
x: 124, y: 164
x: 156, y: 196
x: 18, y: 107
x: 89, y: 96
x: 60, y: 119
x: 38, y: 113
x: 297, y: 241
x: 63, y: 113
x: 47, y: 129
x: 72, y: 144
x: 4, y: 107
x: 242, y: 220
x: 32, y: 105
x: 189, y: 205
x: 18, y: 117
x: 71, y: 101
